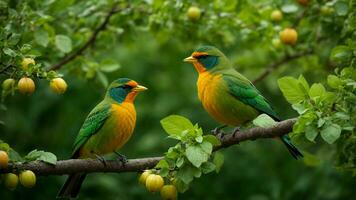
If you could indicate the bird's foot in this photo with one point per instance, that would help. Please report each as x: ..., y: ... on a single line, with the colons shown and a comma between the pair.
x: 101, y: 159
x: 236, y: 130
x: 122, y: 158
x: 218, y: 132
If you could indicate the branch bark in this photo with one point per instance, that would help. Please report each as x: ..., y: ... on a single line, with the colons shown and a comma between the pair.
x: 89, y: 42
x: 273, y: 66
x: 135, y: 165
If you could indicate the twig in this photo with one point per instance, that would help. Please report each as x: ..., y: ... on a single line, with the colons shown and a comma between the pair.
x: 90, y: 41
x: 273, y: 66
x: 135, y: 165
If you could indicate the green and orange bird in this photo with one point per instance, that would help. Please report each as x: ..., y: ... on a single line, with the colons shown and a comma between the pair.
x: 106, y: 129
x: 229, y: 97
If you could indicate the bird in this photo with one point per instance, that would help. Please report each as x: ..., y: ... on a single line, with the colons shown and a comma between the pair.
x: 228, y: 96
x: 105, y: 130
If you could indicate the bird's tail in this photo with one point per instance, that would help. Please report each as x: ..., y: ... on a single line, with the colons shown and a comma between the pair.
x: 71, y: 187
x: 291, y: 148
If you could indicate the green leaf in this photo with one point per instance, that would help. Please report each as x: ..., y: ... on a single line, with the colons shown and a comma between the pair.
x: 186, y: 174
x: 63, y: 43
x: 174, y: 125
x: 341, y: 8
x: 181, y: 186
x: 180, y: 161
x: 289, y: 8
x: 341, y: 55
x: 207, y: 167
x: 264, y: 121
x: 4, y: 146
x: 103, y: 79
x: 304, y: 82
x: 14, y: 156
x: 291, y: 89
x: 162, y: 164
x: 41, y: 37
x: 47, y: 157
x: 334, y: 81
x: 331, y: 133
x: 311, y: 132
x: 9, y: 52
x: 109, y: 66
x: 196, y: 155
x: 317, y: 90
x: 207, y: 147
x: 212, y: 139
x: 199, y: 139
x: 218, y: 161
x: 299, y: 108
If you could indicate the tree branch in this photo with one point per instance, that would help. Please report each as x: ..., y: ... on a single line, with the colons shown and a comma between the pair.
x: 90, y: 41
x: 273, y: 66
x: 135, y: 165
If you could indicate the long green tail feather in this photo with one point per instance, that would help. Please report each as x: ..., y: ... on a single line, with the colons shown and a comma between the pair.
x: 291, y: 148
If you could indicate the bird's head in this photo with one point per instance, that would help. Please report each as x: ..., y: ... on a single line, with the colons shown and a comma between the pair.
x: 124, y: 90
x: 207, y: 58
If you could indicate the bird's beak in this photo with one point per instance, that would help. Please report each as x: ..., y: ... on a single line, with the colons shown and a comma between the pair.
x: 139, y: 88
x: 190, y: 59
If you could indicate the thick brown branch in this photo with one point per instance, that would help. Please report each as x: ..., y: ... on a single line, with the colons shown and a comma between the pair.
x: 135, y: 165
x: 273, y: 66
x: 89, y: 42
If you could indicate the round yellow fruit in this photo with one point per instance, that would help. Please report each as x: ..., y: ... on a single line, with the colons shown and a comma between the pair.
x: 4, y: 160
x: 276, y: 15
x: 58, y: 85
x: 154, y: 183
x: 276, y: 43
x: 27, y: 178
x: 11, y: 180
x: 8, y: 84
x: 143, y: 177
x: 288, y: 36
x: 26, y: 86
x: 194, y: 13
x: 169, y: 192
x: 26, y: 61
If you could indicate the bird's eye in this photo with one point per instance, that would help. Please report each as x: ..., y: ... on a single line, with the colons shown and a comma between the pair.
x: 201, y: 56
x: 126, y: 87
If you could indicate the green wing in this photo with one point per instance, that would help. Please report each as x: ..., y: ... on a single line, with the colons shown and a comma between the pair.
x: 92, y: 124
x: 242, y: 89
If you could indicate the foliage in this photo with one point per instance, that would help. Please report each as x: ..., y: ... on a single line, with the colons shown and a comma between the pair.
x: 146, y: 40
x: 192, y: 156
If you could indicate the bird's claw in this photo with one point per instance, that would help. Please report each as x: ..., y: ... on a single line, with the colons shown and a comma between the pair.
x: 236, y: 130
x: 101, y: 159
x: 218, y: 132
x: 122, y: 158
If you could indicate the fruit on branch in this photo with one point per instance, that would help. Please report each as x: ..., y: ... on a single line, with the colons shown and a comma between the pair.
x: 27, y: 61
x: 169, y: 192
x: 4, y: 160
x: 276, y: 43
x: 194, y: 13
x: 58, y: 85
x: 8, y: 84
x: 11, y: 180
x: 154, y: 183
x: 26, y: 85
x: 276, y: 15
x: 288, y: 36
x: 143, y: 177
x: 303, y: 2
x: 27, y: 178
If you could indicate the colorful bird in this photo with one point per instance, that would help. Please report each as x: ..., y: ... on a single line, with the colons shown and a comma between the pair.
x: 106, y: 129
x: 229, y: 97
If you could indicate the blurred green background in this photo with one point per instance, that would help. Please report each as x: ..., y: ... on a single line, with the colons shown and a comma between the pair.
x: 151, y: 53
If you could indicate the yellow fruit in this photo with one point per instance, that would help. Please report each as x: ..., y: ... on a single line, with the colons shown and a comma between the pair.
x: 288, y: 36
x: 11, y: 180
x: 26, y: 86
x: 58, y: 85
x: 194, y: 13
x: 27, y: 178
x: 26, y: 61
x: 276, y: 43
x: 4, y: 160
x: 276, y: 15
x: 303, y: 2
x: 143, y: 177
x: 169, y: 192
x: 8, y: 84
x: 154, y: 183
